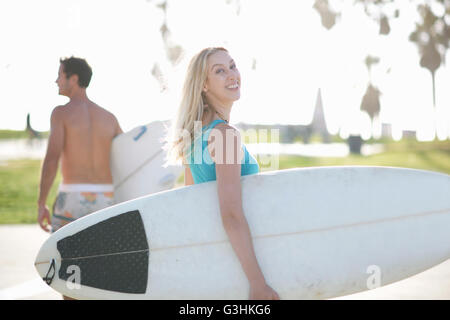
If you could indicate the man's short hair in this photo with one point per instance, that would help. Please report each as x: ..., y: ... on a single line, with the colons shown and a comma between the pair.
x: 79, y: 67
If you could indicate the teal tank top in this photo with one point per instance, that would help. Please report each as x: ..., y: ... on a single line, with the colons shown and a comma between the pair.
x: 203, y: 168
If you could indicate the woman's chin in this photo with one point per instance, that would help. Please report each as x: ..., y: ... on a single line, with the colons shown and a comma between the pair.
x: 235, y: 97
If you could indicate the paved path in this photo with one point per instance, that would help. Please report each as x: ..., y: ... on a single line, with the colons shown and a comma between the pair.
x: 19, y: 245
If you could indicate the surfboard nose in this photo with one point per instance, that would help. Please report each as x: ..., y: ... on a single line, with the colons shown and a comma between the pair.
x: 47, y: 262
x: 46, y: 270
x: 41, y: 266
x: 112, y: 254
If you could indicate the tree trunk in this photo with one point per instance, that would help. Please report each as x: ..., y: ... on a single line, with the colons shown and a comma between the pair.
x: 434, y: 89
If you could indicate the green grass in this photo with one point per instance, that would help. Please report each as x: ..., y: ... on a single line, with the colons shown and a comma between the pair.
x: 19, y: 191
x: 15, y: 134
x: 434, y: 156
x: 20, y: 178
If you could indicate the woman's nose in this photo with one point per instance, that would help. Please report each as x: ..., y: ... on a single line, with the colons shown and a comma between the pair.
x: 232, y: 74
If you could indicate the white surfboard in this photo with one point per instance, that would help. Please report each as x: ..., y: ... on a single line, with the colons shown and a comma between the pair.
x: 318, y: 233
x: 137, y: 163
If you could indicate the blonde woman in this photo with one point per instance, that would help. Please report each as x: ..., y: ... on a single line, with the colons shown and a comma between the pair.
x: 211, y: 87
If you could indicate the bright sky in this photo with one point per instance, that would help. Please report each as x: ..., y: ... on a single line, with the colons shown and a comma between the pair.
x: 294, y: 56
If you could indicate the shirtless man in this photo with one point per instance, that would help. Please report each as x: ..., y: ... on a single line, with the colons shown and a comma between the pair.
x: 81, y: 135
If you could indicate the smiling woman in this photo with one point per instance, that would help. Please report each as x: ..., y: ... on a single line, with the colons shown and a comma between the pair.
x: 211, y: 87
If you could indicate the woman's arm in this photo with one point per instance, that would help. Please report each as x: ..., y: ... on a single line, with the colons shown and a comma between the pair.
x: 233, y: 218
x: 188, y: 180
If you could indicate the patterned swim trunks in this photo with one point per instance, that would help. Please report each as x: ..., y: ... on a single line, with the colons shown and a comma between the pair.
x: 78, y: 200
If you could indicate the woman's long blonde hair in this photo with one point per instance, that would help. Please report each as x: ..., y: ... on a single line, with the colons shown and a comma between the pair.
x: 192, y: 106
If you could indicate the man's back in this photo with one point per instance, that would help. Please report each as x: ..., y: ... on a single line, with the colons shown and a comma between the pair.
x: 88, y: 134
x: 81, y: 135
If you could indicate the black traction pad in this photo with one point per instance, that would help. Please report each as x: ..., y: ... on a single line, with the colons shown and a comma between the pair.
x: 111, y: 255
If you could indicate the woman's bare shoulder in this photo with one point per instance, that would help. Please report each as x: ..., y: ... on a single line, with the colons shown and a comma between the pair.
x: 225, y: 128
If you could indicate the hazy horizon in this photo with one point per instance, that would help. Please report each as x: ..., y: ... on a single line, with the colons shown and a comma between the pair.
x: 293, y: 54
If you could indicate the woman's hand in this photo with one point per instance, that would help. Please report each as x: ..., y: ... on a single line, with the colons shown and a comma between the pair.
x: 263, y: 292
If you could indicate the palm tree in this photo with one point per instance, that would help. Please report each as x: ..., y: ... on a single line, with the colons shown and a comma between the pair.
x: 427, y: 38
x: 371, y: 100
x: 432, y: 34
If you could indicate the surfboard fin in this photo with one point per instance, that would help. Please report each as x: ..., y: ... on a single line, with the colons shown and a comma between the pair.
x: 50, y: 273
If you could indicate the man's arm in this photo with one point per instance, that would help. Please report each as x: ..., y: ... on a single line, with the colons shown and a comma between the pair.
x: 118, y: 128
x: 50, y: 165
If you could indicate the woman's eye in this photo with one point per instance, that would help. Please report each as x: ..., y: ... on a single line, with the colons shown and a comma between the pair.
x: 219, y: 70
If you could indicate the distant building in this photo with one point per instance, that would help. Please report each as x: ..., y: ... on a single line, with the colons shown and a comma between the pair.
x: 289, y: 133
x: 318, y: 124
x: 409, y: 134
x: 386, y: 130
